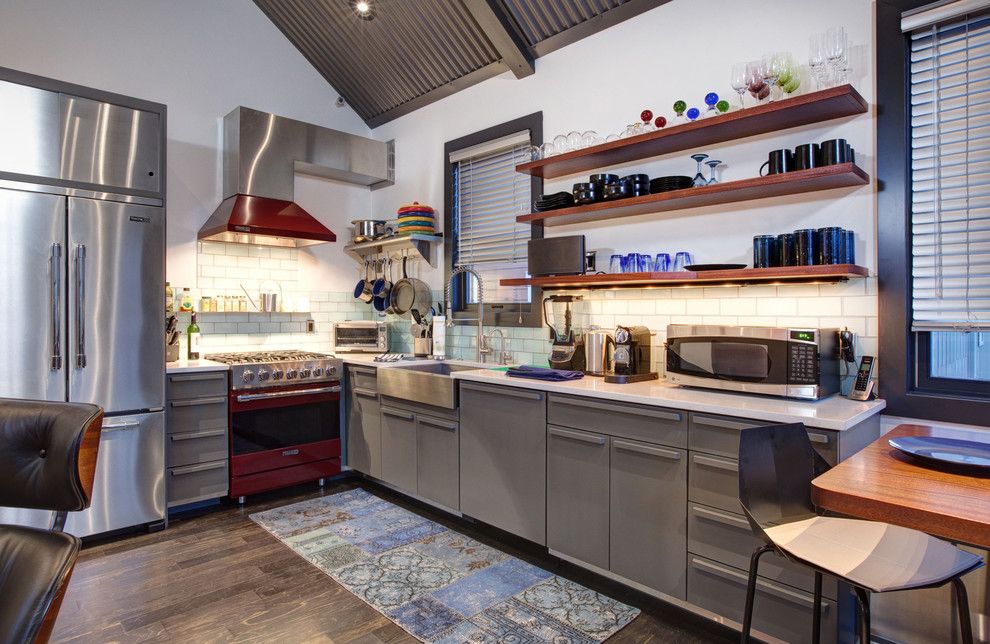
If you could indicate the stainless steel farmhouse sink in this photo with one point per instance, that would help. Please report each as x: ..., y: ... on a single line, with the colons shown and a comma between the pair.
x: 429, y: 384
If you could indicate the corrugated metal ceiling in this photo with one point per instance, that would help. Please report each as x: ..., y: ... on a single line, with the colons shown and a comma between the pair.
x: 417, y: 51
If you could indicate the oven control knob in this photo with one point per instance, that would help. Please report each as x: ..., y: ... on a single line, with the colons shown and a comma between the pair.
x: 317, y: 372
x: 305, y: 373
x: 248, y: 375
x: 263, y: 375
x: 277, y: 374
x: 331, y: 371
x: 290, y: 374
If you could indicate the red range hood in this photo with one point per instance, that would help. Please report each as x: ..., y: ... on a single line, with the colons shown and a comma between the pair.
x: 247, y: 219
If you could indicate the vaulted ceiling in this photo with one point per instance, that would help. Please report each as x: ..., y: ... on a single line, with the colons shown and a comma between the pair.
x: 414, y: 52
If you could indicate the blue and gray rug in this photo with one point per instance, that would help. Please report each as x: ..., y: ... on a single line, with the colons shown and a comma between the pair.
x: 435, y: 583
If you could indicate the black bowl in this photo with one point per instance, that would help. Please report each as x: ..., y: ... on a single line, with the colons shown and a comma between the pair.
x: 586, y: 196
x: 586, y: 186
x: 637, y: 178
x: 604, y: 179
x: 619, y: 190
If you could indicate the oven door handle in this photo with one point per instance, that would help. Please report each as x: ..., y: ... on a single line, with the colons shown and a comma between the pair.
x: 283, y: 394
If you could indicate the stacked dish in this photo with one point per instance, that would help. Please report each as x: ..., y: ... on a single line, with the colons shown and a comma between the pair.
x: 416, y: 218
x: 666, y: 184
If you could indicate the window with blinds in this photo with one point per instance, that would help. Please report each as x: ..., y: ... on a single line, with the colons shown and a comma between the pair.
x: 488, y: 194
x: 950, y: 175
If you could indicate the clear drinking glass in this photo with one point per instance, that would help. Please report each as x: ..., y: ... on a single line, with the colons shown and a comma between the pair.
x: 547, y: 150
x: 816, y: 59
x: 575, y: 140
x: 739, y: 82
x: 615, y: 264
x: 662, y: 263
x: 836, y: 44
x: 560, y: 144
x: 699, y: 178
x: 682, y: 259
x: 712, y: 164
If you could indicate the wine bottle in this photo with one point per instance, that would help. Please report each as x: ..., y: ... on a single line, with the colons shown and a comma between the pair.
x: 192, y: 333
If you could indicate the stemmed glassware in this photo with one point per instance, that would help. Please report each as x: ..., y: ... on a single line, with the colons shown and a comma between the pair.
x: 757, y: 87
x: 699, y: 178
x: 816, y: 59
x: 712, y: 164
x: 679, y: 107
x: 836, y: 46
x: 770, y: 67
x: 739, y: 81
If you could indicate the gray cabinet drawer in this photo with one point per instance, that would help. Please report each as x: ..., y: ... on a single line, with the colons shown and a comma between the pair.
x: 196, y: 385
x: 779, y: 610
x: 191, y: 483
x: 197, y: 414
x: 362, y: 377
x: 720, y: 435
x: 726, y: 537
x: 187, y: 448
x: 638, y: 422
x: 437, y: 471
x: 714, y: 481
x: 399, y: 448
x: 577, y: 494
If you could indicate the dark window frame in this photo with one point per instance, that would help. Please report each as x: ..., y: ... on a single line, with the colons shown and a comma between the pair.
x: 905, y: 355
x: 496, y: 313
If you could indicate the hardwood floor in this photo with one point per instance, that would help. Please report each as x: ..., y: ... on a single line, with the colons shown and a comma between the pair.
x: 215, y: 576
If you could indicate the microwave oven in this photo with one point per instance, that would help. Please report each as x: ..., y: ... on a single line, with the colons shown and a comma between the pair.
x: 360, y: 336
x: 793, y: 363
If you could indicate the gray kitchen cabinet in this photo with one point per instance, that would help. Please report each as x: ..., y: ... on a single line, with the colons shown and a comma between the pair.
x: 437, y: 470
x: 398, y: 427
x: 364, y: 424
x: 196, y: 426
x: 503, y: 450
x: 578, y: 494
x: 647, y: 515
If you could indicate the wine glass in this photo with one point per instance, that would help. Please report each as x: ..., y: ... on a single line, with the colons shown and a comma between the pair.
x: 790, y: 78
x: 712, y: 164
x: 770, y: 65
x: 739, y: 81
x: 757, y: 87
x: 699, y: 178
x: 816, y: 59
x: 835, y: 52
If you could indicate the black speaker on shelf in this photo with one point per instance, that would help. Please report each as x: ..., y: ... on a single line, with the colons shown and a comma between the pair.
x: 556, y: 256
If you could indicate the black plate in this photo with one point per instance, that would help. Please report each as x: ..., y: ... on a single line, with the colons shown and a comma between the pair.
x: 713, y: 267
x: 939, y: 450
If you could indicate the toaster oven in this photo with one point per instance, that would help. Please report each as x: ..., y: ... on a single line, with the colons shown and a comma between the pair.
x: 360, y: 336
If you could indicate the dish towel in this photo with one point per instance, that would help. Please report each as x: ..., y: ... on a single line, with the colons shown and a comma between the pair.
x: 543, y: 373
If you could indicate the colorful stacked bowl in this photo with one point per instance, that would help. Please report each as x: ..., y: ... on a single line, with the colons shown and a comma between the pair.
x: 416, y: 218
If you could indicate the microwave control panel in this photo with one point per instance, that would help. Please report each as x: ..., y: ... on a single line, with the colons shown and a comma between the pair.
x: 802, y: 366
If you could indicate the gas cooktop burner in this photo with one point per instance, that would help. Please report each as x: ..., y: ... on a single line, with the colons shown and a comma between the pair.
x: 265, y: 369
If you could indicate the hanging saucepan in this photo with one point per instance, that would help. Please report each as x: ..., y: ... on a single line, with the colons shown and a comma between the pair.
x: 362, y: 290
x: 409, y: 293
x: 381, y: 289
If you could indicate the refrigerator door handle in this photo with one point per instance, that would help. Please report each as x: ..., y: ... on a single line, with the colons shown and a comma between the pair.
x: 55, y: 267
x: 80, y: 306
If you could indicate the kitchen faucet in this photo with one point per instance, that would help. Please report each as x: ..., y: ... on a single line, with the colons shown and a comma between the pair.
x: 502, y: 357
x: 481, y: 305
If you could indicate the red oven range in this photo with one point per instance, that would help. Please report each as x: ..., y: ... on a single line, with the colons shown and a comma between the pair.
x: 284, y: 419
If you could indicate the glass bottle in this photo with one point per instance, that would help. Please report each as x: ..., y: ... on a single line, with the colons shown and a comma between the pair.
x: 192, y: 333
x: 169, y: 299
x: 186, y: 304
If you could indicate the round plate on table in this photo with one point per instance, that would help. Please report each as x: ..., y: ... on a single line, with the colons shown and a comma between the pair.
x: 940, y: 451
x: 713, y: 267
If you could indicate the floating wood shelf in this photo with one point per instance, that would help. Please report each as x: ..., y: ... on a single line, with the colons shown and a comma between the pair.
x: 784, y: 274
x: 775, y: 185
x: 815, y: 107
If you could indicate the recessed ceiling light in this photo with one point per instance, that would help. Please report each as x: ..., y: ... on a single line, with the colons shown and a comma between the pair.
x: 363, y: 9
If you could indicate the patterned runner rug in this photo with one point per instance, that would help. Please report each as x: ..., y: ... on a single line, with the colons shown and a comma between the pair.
x: 438, y: 584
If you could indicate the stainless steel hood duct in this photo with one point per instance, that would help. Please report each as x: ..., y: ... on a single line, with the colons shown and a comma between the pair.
x: 261, y: 154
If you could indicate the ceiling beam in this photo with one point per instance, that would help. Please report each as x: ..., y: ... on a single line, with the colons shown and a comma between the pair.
x: 589, y: 27
x: 503, y: 35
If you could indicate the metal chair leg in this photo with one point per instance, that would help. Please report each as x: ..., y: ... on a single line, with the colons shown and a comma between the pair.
x: 962, y: 604
x: 816, y: 624
x: 754, y: 565
x: 863, y: 598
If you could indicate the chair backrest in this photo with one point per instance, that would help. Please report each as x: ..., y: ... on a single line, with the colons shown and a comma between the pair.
x: 48, y: 454
x: 776, y: 466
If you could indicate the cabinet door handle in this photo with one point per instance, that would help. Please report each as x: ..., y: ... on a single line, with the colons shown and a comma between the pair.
x: 591, y: 439
x: 741, y: 579
x: 647, y: 450
x: 200, y: 467
x: 219, y: 375
x: 373, y: 373
x: 818, y: 438
x: 398, y: 414
x: 503, y: 391
x: 720, y: 517
x: 365, y: 393
x: 706, y: 421
x: 717, y: 463
x: 219, y: 400
x: 188, y: 436
x: 450, y: 427
x: 55, y: 267
x: 619, y: 409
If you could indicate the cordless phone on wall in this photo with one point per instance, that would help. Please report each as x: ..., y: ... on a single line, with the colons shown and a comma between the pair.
x: 863, y: 387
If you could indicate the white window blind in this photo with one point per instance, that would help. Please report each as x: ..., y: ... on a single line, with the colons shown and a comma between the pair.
x: 950, y: 174
x: 488, y: 195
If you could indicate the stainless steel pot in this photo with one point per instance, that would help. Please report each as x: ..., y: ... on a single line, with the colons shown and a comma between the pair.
x: 409, y: 293
x: 367, y: 229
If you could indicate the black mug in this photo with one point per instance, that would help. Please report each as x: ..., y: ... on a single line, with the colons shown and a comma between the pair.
x: 805, y: 249
x: 831, y: 245
x: 786, y: 250
x: 764, y: 251
x: 807, y: 156
x: 778, y: 162
x: 835, y: 151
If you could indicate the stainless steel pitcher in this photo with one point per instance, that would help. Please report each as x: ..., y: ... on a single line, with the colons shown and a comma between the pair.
x: 597, y: 346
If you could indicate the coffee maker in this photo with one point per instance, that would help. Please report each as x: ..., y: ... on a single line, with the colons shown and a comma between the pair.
x: 567, y: 352
x: 633, y: 351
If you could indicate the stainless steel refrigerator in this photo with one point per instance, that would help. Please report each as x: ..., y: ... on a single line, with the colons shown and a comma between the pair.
x: 82, y: 229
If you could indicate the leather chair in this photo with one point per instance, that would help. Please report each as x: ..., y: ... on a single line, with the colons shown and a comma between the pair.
x: 776, y: 467
x: 48, y: 461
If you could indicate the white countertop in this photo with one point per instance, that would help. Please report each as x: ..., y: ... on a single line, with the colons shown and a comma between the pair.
x: 835, y: 412
x: 192, y: 366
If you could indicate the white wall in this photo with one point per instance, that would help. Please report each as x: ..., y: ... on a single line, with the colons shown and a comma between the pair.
x: 202, y: 59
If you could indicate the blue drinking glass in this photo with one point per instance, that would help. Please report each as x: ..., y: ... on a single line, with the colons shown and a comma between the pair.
x: 645, y: 263
x: 632, y: 263
x: 682, y: 259
x: 662, y: 263
x: 615, y: 264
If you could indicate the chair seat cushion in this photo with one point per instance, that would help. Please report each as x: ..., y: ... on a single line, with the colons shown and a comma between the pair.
x: 877, y: 556
x: 33, y: 565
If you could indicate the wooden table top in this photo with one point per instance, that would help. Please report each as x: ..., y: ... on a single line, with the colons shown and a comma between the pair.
x: 882, y: 484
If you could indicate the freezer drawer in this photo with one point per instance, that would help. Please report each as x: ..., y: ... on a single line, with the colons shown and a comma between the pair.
x: 182, y: 386
x: 200, y: 482
x: 129, y: 488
